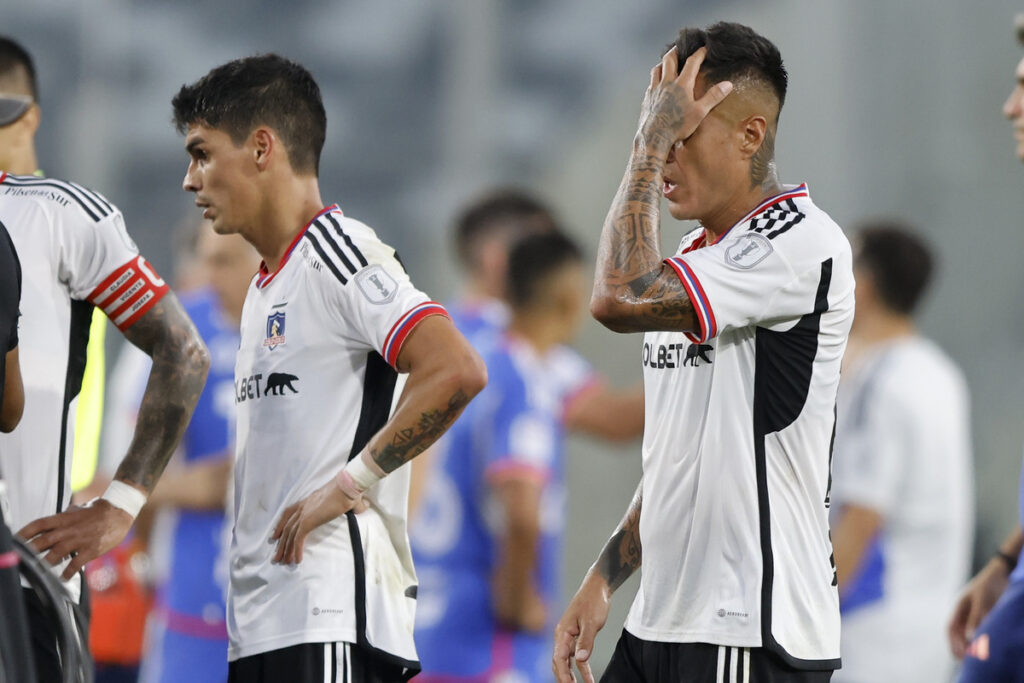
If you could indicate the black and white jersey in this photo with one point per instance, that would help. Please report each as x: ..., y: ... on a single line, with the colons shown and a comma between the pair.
x: 737, y: 447
x: 75, y: 254
x: 315, y: 378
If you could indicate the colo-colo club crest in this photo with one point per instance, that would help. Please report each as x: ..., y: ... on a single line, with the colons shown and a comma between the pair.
x: 275, y: 330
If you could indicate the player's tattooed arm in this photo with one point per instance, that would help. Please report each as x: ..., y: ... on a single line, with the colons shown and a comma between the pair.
x: 623, y: 553
x: 634, y: 290
x: 180, y: 364
x: 445, y: 373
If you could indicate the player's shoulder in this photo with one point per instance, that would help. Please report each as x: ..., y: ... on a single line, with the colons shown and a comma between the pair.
x: 345, y: 250
x: 795, y: 226
x: 918, y: 358
x: 63, y: 198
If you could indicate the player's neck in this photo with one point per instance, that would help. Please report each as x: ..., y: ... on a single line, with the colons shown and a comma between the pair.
x: 539, y: 330
x: 739, y: 204
x: 19, y: 160
x: 284, y: 217
x: 881, y: 327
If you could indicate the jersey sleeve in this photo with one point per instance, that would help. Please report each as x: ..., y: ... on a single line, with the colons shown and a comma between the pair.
x: 10, y: 291
x: 102, y: 265
x: 372, y: 293
x: 871, y: 453
x: 524, y: 438
x: 746, y: 280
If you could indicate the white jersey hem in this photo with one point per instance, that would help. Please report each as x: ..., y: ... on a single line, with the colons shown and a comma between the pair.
x: 655, y: 635
x: 333, y: 635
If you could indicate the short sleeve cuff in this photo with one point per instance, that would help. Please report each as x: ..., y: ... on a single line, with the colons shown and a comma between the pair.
x: 699, y: 299
x: 513, y: 468
x: 404, y: 327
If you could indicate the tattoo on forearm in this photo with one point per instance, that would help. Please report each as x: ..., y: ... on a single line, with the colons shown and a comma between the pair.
x: 180, y: 363
x: 623, y: 553
x: 408, y: 443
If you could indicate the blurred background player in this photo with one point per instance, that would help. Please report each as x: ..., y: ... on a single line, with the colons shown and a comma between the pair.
x: 15, y: 655
x: 902, y: 496
x: 987, y: 625
x: 187, y: 634
x: 76, y: 255
x: 487, y: 544
x: 485, y: 232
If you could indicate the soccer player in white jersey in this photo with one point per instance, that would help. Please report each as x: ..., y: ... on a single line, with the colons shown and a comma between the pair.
x: 902, y: 500
x: 745, y: 330
x: 316, y: 591
x: 987, y: 625
x: 76, y: 255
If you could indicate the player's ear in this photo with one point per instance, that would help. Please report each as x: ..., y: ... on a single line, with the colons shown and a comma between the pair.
x: 751, y: 133
x: 264, y: 145
x: 32, y: 118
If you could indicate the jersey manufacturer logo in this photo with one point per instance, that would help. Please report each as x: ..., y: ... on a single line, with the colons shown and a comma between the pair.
x: 748, y: 250
x: 376, y: 285
x: 252, y: 387
x: 275, y: 330
x: 662, y: 356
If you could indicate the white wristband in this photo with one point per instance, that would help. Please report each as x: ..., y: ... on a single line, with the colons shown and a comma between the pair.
x: 125, y: 497
x: 361, y: 474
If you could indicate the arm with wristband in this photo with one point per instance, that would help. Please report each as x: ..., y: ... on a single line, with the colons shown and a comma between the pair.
x: 445, y: 373
x: 982, y: 592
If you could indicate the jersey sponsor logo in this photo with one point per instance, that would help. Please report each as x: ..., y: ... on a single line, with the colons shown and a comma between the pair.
x: 275, y: 330
x: 748, y: 250
x: 376, y: 285
x: 662, y: 356
x: 277, y: 384
x: 732, y: 613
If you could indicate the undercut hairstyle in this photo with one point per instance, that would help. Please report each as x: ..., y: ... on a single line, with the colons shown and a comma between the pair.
x: 734, y: 52
x: 12, y: 57
x: 532, y: 261
x: 900, y: 263
x: 508, y: 213
x: 266, y: 90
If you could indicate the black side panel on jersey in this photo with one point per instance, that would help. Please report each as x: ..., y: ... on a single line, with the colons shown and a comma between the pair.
x: 784, y: 363
x: 378, y: 394
x: 78, y: 342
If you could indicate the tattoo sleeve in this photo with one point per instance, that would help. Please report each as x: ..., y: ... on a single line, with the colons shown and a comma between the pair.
x: 405, y: 443
x: 180, y: 364
x: 622, y: 554
x: 634, y: 290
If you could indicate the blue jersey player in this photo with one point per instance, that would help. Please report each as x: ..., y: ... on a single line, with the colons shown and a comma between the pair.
x: 187, y: 638
x: 487, y: 541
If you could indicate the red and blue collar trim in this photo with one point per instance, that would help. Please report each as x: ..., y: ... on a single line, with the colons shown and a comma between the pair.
x: 264, y: 276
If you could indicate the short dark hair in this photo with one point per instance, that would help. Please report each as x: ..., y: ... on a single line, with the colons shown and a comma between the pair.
x: 264, y: 90
x: 900, y: 262
x: 532, y: 259
x: 735, y: 51
x: 12, y: 56
x: 507, y: 210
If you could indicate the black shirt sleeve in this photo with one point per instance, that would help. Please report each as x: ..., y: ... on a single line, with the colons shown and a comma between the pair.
x: 10, y: 292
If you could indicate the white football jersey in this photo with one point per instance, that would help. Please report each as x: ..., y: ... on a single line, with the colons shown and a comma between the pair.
x: 75, y: 254
x: 903, y: 450
x: 314, y: 380
x: 737, y: 443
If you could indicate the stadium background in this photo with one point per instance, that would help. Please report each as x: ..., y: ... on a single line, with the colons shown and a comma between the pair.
x: 893, y: 110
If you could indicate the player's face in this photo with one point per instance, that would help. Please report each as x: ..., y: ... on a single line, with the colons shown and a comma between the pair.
x: 1013, y: 109
x: 700, y: 176
x: 221, y: 174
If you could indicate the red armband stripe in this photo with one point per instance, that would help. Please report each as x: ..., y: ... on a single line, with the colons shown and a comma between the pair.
x: 129, y: 292
x: 405, y: 325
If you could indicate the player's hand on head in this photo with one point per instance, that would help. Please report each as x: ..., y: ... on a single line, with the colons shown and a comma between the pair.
x: 299, y: 519
x: 576, y: 630
x: 670, y: 112
x: 81, y: 533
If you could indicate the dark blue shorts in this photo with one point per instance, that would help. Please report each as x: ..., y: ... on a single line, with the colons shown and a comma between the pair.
x: 996, y: 654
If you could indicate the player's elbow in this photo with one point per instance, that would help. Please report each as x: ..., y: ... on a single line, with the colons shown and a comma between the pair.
x: 469, y: 374
x: 612, y: 313
x: 10, y: 416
